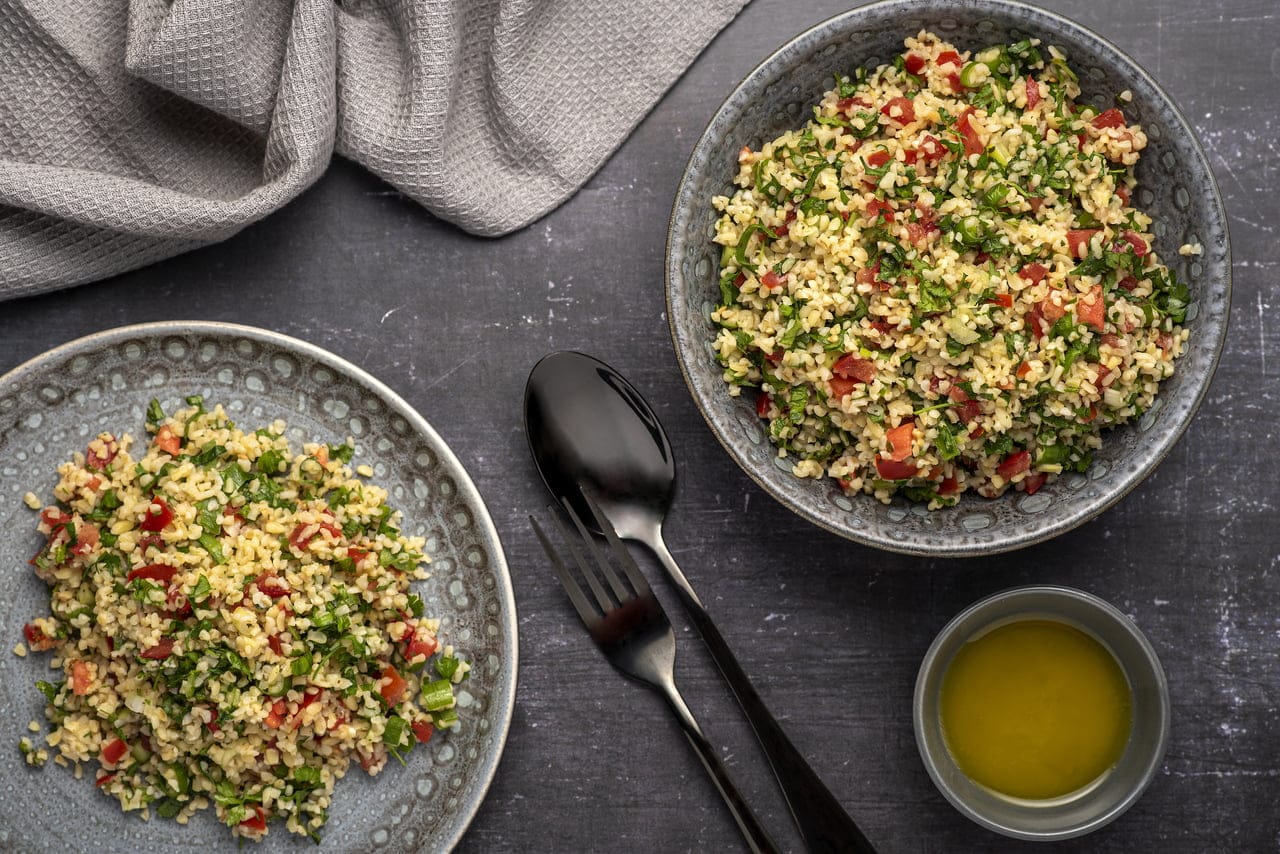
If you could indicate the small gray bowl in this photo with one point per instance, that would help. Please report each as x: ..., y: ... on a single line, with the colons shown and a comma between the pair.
x: 1095, y: 805
x: 1176, y: 186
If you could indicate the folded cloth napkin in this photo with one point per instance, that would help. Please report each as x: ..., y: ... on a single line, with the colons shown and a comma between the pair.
x: 132, y: 130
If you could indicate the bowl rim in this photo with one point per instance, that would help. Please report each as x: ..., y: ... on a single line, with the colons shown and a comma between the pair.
x: 932, y: 664
x: 1066, y: 522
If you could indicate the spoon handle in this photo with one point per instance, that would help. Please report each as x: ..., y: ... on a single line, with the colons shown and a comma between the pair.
x: 823, y: 822
x: 753, y: 832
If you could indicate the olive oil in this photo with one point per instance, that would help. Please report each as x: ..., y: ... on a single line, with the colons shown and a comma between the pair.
x: 1035, y: 709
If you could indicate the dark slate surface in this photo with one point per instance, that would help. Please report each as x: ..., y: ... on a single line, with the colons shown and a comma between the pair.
x: 831, y: 631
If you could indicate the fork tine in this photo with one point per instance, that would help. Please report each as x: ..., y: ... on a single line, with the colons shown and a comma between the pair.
x: 602, y: 595
x: 588, y: 614
x: 619, y: 550
x: 615, y: 582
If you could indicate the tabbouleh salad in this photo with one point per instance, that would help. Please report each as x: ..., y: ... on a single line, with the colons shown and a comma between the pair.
x: 939, y: 283
x: 233, y: 623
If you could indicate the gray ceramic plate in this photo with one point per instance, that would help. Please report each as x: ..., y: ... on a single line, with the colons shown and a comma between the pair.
x: 1176, y: 188
x: 52, y: 405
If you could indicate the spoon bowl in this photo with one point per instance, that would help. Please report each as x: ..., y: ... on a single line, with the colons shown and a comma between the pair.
x: 589, y: 428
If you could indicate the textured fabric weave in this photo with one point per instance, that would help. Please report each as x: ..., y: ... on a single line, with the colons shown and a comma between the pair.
x: 132, y: 130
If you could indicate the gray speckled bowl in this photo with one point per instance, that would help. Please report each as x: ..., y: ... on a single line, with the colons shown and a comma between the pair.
x: 52, y: 405
x: 1176, y: 187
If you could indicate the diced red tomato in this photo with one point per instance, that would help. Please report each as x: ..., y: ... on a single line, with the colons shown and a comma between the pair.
x: 900, y: 110
x: 422, y: 731
x: 160, y: 651
x: 1034, y: 322
x: 773, y: 280
x: 1092, y: 414
x: 36, y: 638
x: 918, y: 232
x: 932, y: 149
x: 1104, y: 374
x: 104, y: 779
x: 99, y: 461
x: 914, y: 63
x: 869, y: 275
x: 273, y: 641
x: 157, y: 515
x: 299, y: 539
x: 258, y: 822
x: 1005, y: 300
x: 968, y: 133
x: 877, y: 208
x: 976, y: 433
x: 890, y: 469
x: 1023, y: 369
x: 1032, y: 482
x: 846, y: 105
x: 1140, y: 247
x: 1128, y: 283
x: 878, y: 158
x: 1014, y: 464
x: 275, y: 717
x: 1122, y: 193
x: 179, y: 604
x: 168, y: 441
x: 948, y: 57
x: 53, y: 517
x: 154, y: 572
x: 394, y: 686
x: 310, y: 696
x: 420, y: 642
x: 764, y: 401
x: 855, y: 367
x: 1110, y: 339
x: 93, y: 483
x: 1111, y: 118
x: 950, y: 486
x: 273, y: 585
x: 1091, y: 309
x: 966, y: 407
x: 86, y: 538
x: 954, y: 79
x: 774, y: 358
x: 81, y: 681
x: 367, y: 762
x: 900, y: 440
x: 112, y: 752
x: 150, y: 540
x: 1033, y: 93
x: 1050, y: 310
x: 1034, y: 272
x: 842, y: 386
x: 1078, y: 240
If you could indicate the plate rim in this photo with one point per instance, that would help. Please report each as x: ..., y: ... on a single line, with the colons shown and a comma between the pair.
x: 466, y: 488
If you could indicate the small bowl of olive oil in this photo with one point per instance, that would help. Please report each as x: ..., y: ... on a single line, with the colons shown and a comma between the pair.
x: 1041, y: 712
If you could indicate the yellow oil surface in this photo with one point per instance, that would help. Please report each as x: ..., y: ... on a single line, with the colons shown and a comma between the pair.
x: 1035, y: 709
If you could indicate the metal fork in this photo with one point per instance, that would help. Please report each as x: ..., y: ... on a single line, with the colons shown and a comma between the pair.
x: 633, y: 632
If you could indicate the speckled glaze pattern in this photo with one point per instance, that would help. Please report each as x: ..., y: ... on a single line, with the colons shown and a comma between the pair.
x: 1176, y: 187
x: 52, y: 405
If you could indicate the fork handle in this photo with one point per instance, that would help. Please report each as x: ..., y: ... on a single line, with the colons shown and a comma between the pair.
x: 823, y: 822
x: 753, y: 832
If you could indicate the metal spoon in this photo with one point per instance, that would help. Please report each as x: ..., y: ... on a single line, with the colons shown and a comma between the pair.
x: 588, y: 427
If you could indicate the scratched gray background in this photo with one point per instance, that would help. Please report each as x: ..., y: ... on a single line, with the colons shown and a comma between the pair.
x: 832, y: 632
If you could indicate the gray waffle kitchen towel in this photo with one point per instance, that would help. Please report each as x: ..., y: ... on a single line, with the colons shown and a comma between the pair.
x: 132, y: 130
